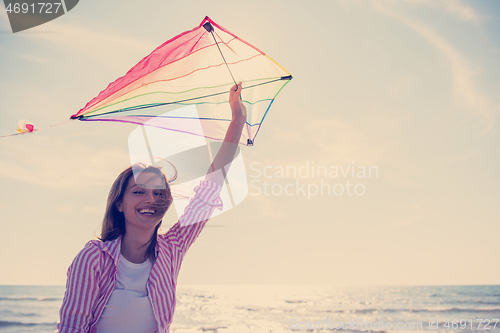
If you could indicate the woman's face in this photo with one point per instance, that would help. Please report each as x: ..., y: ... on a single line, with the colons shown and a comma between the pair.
x: 138, y: 199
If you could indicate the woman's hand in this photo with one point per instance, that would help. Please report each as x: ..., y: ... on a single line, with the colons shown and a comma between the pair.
x: 239, y: 111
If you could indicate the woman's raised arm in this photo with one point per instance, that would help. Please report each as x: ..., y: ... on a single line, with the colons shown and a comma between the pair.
x: 225, y: 156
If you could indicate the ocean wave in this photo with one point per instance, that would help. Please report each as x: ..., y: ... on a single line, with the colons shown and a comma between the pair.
x: 461, y: 293
x: 26, y: 298
x: 212, y: 329
x: 16, y: 323
x: 454, y: 310
x: 248, y: 309
x: 202, y: 296
x: 476, y: 302
x: 372, y: 310
x: 18, y: 314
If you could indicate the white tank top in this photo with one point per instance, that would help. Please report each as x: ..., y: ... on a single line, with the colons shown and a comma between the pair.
x: 128, y: 309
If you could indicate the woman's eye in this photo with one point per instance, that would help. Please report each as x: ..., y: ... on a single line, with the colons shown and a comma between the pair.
x: 137, y: 192
x: 159, y: 194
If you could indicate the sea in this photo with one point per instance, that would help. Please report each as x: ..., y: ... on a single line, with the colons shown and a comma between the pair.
x: 288, y: 308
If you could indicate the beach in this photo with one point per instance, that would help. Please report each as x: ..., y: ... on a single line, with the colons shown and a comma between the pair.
x: 288, y: 308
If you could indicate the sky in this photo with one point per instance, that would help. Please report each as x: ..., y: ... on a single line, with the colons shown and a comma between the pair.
x: 407, y: 89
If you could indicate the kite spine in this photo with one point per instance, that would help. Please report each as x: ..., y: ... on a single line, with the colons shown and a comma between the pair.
x: 208, y: 26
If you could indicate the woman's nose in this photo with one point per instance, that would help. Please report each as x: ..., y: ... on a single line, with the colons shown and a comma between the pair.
x: 150, y: 197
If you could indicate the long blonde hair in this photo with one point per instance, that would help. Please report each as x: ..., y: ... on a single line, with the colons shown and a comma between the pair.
x: 113, y: 224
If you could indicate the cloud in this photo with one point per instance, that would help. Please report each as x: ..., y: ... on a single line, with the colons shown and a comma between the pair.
x: 405, y: 222
x: 32, y: 58
x: 465, y: 91
x: 268, y: 208
x: 4, y: 17
x: 56, y: 162
x: 94, y: 43
x: 458, y: 9
x: 335, y: 142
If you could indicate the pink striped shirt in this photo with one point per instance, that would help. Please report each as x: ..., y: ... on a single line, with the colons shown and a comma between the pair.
x: 92, y: 275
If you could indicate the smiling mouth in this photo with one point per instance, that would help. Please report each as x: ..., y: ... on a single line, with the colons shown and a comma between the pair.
x: 147, y: 211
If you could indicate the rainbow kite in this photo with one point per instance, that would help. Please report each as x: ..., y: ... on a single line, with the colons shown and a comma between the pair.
x: 196, y: 67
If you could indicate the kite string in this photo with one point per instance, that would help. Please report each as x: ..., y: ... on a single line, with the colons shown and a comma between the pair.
x: 212, y: 32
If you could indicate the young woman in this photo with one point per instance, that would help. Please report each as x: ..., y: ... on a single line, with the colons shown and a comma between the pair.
x: 125, y: 282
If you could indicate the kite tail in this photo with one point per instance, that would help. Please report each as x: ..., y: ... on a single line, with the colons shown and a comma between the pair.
x: 36, y: 129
